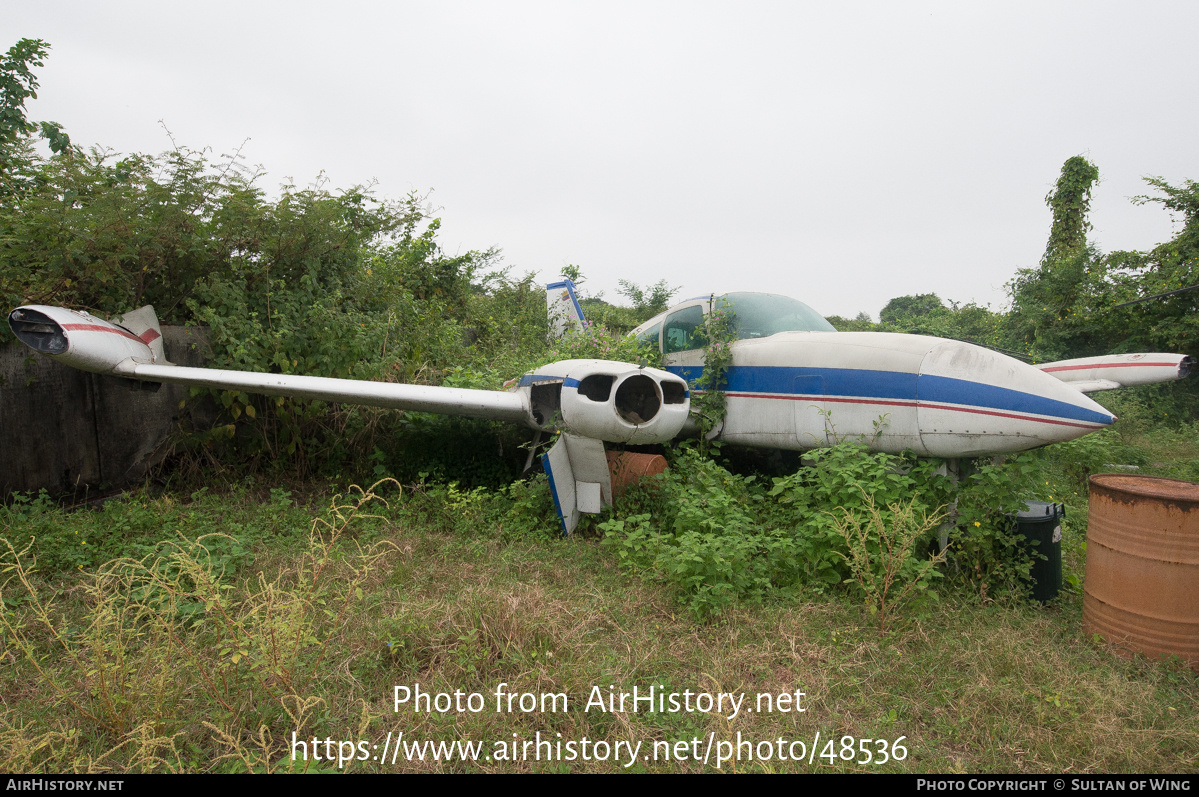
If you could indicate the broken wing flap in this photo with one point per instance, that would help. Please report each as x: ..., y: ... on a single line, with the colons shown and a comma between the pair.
x: 1091, y: 374
x: 143, y: 322
x: 580, y: 480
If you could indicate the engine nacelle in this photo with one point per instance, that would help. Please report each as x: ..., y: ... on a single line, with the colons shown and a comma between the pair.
x: 88, y: 343
x: 607, y: 400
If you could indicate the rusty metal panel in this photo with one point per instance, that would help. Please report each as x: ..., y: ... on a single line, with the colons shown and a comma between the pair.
x: 1141, y: 590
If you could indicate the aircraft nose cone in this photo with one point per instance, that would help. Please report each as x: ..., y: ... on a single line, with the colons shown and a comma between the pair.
x: 973, y: 401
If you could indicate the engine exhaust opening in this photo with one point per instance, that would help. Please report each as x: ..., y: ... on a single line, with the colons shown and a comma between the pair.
x: 1185, y: 367
x: 597, y: 387
x: 637, y: 399
x: 37, y: 331
x: 673, y: 393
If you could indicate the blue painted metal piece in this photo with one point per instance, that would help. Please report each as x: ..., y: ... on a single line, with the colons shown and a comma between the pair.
x: 570, y: 286
x: 545, y: 463
x: 529, y: 379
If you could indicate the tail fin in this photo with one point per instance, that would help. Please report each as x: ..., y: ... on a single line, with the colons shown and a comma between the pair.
x: 563, y: 308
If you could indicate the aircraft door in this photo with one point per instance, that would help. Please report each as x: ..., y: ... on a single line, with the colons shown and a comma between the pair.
x: 810, y: 413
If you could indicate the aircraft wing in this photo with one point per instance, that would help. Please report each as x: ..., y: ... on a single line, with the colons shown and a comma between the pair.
x: 1091, y: 374
x: 492, y: 404
x: 590, y: 401
x: 110, y: 347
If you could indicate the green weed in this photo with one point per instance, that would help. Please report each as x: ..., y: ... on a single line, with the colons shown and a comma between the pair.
x: 882, y: 554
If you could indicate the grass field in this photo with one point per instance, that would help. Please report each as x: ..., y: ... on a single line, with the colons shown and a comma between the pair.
x: 208, y: 656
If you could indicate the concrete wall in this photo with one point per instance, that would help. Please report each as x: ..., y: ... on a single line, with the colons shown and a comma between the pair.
x: 67, y: 431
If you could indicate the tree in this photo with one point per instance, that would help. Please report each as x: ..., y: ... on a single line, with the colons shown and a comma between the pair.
x: 18, y: 84
x: 910, y: 307
x: 1070, y: 305
x: 1054, y: 305
x: 650, y: 301
x: 1169, y: 322
x: 862, y: 322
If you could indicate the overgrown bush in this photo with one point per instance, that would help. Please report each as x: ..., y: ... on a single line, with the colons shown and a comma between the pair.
x: 81, y: 541
x: 718, y: 537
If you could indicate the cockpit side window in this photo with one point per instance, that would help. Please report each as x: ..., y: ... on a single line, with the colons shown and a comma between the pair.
x: 684, y: 330
x: 651, y: 335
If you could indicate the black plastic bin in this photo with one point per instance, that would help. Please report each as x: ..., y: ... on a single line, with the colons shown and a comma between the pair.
x: 1041, y: 526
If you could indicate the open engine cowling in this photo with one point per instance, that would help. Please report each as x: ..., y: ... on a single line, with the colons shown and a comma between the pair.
x: 616, y: 402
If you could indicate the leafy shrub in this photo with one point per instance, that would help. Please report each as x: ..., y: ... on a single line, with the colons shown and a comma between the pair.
x: 720, y: 537
x: 717, y: 537
x: 59, y: 540
x: 848, y: 477
x: 986, y: 552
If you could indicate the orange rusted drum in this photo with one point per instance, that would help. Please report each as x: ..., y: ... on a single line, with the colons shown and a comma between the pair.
x: 1141, y: 591
x: 628, y: 468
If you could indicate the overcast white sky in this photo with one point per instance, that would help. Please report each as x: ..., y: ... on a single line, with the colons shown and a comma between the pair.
x: 842, y: 153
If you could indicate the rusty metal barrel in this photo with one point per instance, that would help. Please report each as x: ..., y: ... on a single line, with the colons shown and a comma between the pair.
x: 628, y: 468
x: 1141, y: 590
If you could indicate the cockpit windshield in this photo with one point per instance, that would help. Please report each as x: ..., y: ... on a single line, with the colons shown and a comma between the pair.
x: 759, y: 315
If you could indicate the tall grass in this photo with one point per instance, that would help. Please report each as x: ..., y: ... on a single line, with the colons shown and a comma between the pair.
x: 128, y: 653
x: 182, y: 661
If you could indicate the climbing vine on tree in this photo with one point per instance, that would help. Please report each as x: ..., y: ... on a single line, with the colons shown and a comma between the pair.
x: 1070, y: 202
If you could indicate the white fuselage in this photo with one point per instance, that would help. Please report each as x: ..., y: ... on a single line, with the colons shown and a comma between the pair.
x: 937, y: 397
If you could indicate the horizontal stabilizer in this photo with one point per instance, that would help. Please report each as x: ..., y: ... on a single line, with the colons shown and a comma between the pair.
x: 1089, y: 374
x: 1094, y: 385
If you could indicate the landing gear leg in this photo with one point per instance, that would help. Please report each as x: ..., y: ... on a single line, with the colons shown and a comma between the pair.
x: 953, y: 469
x: 532, y: 452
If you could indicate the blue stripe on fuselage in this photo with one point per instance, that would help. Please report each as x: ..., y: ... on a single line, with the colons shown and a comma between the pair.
x: 529, y: 379
x: 856, y: 383
x: 962, y: 391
